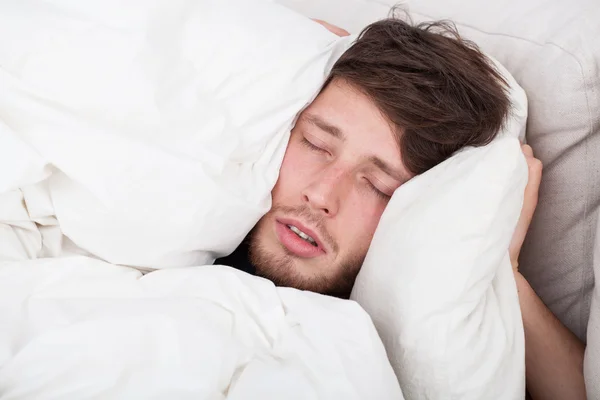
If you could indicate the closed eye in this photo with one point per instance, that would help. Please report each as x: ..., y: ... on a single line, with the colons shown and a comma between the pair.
x: 378, y: 193
x: 312, y: 146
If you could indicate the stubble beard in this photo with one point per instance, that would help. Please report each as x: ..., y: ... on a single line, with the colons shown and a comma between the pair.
x: 281, y: 267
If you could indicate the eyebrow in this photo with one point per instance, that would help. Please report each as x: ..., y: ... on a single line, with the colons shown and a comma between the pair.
x: 325, y: 126
x: 399, y: 175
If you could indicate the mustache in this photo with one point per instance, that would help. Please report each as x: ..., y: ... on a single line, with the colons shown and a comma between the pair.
x: 304, y: 213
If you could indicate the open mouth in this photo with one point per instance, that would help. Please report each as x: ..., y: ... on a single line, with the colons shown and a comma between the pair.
x: 302, y: 235
x: 298, y: 240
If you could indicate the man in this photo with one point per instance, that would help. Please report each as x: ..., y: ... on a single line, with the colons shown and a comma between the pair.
x: 401, y: 100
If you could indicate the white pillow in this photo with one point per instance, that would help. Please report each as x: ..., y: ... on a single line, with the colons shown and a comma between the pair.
x: 165, y: 121
x: 428, y: 266
x: 438, y: 282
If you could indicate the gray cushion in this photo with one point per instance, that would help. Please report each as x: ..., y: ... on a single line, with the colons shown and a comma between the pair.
x: 592, y: 351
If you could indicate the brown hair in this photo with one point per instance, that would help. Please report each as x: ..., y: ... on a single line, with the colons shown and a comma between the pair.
x: 437, y: 89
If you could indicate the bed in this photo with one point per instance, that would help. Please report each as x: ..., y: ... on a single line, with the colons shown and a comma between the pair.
x: 106, y: 287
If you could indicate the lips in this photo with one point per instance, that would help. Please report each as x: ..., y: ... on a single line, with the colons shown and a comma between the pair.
x: 294, y: 243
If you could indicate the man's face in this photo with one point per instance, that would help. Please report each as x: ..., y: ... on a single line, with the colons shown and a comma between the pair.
x: 340, y: 169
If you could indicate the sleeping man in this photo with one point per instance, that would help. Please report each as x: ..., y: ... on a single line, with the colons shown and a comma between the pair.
x: 401, y: 100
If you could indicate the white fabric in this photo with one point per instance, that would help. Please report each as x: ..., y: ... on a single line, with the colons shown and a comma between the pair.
x: 77, y: 328
x: 145, y: 145
x: 152, y: 120
x: 438, y: 282
x: 150, y: 133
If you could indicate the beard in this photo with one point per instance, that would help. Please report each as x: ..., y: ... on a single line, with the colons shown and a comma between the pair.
x: 285, y: 269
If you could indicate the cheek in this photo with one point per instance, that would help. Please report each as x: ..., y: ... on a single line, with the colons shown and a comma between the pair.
x: 292, y: 173
x: 373, y: 216
x: 364, y: 214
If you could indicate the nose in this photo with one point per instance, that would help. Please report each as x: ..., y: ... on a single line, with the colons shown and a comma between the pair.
x: 324, y: 194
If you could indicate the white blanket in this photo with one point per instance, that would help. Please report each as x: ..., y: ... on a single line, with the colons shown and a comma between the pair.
x: 150, y: 134
x: 77, y: 328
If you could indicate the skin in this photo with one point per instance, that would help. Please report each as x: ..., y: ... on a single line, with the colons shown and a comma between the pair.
x: 333, y: 182
x: 554, y: 355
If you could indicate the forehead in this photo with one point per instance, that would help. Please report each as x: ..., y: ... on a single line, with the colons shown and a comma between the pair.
x: 362, y: 124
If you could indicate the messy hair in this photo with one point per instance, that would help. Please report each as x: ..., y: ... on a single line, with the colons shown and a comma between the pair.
x: 438, y: 90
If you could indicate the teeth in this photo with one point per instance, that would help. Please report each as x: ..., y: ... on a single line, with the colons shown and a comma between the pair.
x: 302, y: 235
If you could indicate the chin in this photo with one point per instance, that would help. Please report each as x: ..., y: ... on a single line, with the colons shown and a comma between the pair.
x: 289, y: 271
x: 320, y: 274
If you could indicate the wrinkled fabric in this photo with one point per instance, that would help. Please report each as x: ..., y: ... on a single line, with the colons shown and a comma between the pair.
x: 149, y: 134
x: 158, y: 126
x: 78, y: 328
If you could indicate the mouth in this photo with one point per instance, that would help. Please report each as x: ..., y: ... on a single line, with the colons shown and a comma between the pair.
x: 298, y: 240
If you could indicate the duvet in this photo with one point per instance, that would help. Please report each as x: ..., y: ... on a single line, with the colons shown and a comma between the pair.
x: 79, y: 328
x: 145, y: 137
